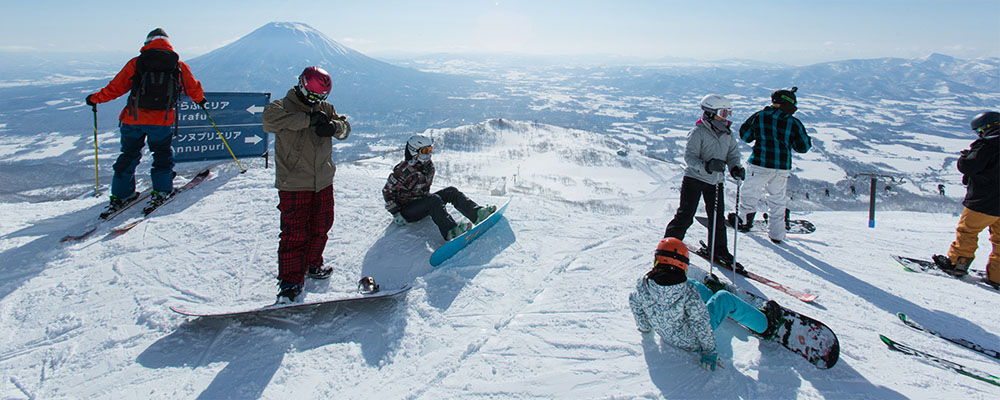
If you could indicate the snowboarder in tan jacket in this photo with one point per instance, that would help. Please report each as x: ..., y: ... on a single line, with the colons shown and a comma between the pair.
x: 303, y: 124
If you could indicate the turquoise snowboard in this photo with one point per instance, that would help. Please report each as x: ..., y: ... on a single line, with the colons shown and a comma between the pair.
x: 457, y: 244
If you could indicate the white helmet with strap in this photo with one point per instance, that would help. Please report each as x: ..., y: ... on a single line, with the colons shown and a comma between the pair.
x: 717, y: 105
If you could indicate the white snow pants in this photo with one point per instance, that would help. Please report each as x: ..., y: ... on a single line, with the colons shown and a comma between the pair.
x: 770, y: 185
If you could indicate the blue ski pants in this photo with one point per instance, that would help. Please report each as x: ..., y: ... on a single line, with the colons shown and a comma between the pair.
x: 134, y: 137
x: 723, y: 304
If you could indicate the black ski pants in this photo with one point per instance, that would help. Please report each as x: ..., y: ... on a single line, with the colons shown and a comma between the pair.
x: 433, y: 205
x: 691, y: 189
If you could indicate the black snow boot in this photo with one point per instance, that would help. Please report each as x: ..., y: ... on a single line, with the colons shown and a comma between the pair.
x: 288, y: 292
x: 319, y: 272
x: 959, y: 270
x: 117, y: 204
x: 774, y: 314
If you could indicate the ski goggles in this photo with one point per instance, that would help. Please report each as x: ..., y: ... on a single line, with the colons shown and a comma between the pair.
x: 984, y: 128
x: 426, y: 150
x: 312, y: 96
x: 724, y: 113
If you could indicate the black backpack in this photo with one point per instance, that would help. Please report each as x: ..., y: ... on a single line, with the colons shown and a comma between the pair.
x: 156, y: 83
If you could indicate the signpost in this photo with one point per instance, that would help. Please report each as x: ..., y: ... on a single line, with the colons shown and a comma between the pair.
x: 238, y: 118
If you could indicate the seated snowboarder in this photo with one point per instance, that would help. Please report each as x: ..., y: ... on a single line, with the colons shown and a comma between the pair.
x: 685, y: 312
x: 408, y: 197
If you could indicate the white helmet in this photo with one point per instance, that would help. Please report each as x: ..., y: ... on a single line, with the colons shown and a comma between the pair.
x: 717, y: 105
x: 419, y: 146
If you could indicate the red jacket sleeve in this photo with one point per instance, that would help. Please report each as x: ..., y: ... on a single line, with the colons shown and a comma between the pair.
x: 119, y: 85
x: 191, y: 86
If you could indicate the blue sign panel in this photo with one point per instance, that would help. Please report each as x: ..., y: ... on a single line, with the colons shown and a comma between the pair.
x: 238, y: 118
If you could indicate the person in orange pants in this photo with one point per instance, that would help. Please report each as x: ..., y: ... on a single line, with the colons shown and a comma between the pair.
x: 980, y: 167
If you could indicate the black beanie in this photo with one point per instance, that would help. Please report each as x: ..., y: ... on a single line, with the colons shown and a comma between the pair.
x: 157, y: 33
x: 785, y: 97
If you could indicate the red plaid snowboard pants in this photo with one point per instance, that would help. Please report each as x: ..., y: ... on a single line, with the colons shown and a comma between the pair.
x: 306, y: 218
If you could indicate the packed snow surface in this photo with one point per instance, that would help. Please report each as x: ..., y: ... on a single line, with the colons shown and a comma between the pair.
x: 535, y: 308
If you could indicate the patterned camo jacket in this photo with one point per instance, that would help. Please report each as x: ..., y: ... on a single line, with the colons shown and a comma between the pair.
x: 409, y: 181
x: 675, y: 312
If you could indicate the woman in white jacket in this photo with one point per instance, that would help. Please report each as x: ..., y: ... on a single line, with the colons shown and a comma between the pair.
x: 685, y: 313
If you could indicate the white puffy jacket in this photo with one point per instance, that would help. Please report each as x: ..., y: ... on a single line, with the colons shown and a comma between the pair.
x: 675, y: 312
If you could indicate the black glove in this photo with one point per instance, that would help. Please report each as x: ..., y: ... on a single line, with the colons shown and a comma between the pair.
x: 326, y: 129
x: 715, y: 165
x: 738, y: 172
x: 318, y: 117
x: 90, y: 102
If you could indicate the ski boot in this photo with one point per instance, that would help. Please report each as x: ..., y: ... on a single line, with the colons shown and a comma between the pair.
x: 733, y: 221
x: 288, y: 293
x: 957, y: 270
x: 773, y: 312
x: 367, y: 285
x: 484, y: 212
x: 155, y: 200
x: 713, y: 283
x: 458, y: 230
x: 726, y: 260
x: 319, y: 272
x: 117, y: 204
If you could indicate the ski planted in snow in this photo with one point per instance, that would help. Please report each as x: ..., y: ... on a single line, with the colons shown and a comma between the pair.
x: 940, y: 362
x: 796, y: 293
x: 200, y: 177
x: 92, y: 227
x: 975, y: 277
x: 959, y: 341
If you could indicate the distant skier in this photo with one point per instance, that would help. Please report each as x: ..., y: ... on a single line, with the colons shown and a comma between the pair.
x: 685, y: 313
x: 153, y: 80
x: 408, y: 197
x: 710, y: 148
x: 303, y: 123
x: 980, y: 168
x: 774, y: 133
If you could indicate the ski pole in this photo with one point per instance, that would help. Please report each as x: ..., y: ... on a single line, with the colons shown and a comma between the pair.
x: 736, y: 223
x: 203, y: 108
x: 715, y: 219
x: 97, y: 186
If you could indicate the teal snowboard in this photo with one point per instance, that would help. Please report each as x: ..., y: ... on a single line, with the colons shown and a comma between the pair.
x: 457, y: 244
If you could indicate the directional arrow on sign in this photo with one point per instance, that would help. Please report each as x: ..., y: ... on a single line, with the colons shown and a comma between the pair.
x: 252, y: 139
x: 253, y: 109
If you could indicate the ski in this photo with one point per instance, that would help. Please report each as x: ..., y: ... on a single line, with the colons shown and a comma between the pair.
x: 940, y: 362
x: 796, y: 293
x: 92, y: 227
x: 917, y: 265
x: 200, y: 177
x: 959, y: 341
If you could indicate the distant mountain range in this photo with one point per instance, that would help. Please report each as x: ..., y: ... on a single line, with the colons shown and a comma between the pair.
x: 860, y: 109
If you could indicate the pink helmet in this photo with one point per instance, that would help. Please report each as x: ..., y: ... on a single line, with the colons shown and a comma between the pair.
x: 314, y: 84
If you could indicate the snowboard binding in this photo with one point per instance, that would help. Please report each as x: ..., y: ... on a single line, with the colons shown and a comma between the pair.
x: 367, y: 285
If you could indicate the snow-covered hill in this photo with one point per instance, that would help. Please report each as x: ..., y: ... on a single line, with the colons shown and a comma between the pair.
x: 535, y: 308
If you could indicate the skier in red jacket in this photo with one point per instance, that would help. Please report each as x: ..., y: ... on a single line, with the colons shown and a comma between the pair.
x: 153, y: 80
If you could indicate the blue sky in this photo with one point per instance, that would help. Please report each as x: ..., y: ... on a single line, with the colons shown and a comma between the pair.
x: 795, y: 32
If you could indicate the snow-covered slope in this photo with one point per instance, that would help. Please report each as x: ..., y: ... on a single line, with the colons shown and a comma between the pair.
x: 535, y: 308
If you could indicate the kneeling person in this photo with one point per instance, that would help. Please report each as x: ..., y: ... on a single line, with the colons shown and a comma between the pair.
x: 408, y: 198
x: 684, y: 312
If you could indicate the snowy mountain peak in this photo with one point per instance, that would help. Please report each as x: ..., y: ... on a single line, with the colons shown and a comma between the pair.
x: 297, y: 32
